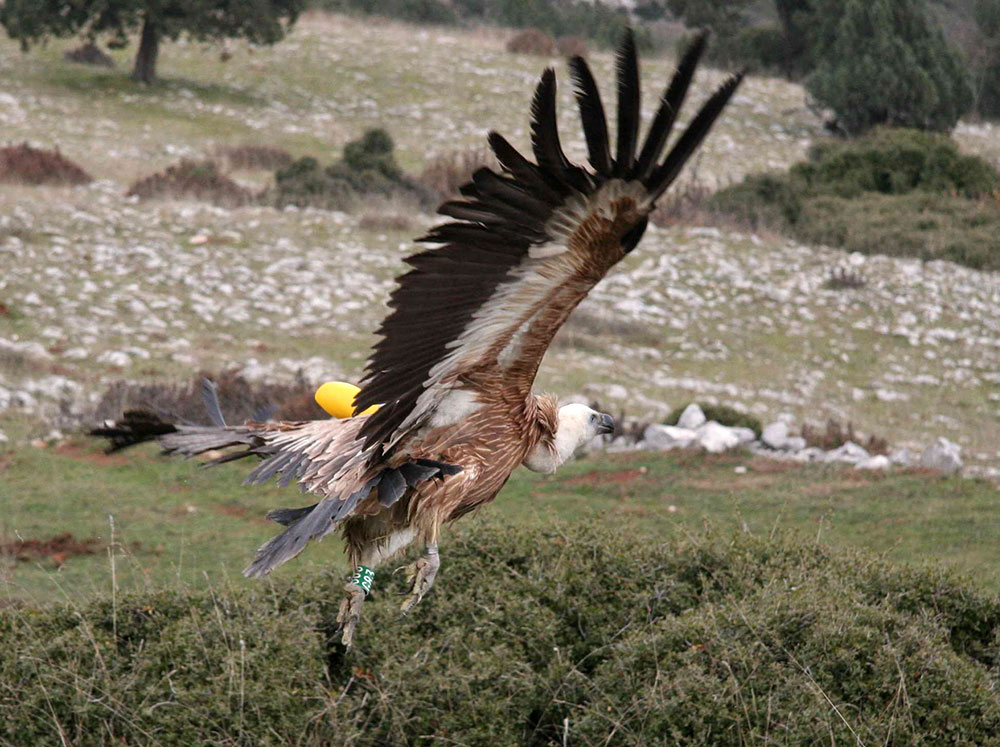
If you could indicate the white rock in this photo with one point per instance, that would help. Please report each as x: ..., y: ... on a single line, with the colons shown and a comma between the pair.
x: 775, y: 435
x: 942, y: 455
x: 716, y: 438
x: 902, y: 457
x: 691, y: 418
x: 879, y: 461
x: 665, y: 437
x: 615, y: 391
x: 794, y: 443
x: 3, y: 438
x: 114, y: 358
x: 745, y: 435
x: 849, y: 452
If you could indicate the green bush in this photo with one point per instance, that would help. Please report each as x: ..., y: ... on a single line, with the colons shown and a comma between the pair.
x: 531, y: 637
x: 367, y: 168
x: 923, y: 225
x: 884, y: 62
x: 898, y: 192
x: 721, y: 414
x: 895, y: 161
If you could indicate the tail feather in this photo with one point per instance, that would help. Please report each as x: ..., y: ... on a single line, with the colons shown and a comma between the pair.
x: 134, y: 427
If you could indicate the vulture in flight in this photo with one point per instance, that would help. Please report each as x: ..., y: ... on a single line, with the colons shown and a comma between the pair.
x: 468, y: 325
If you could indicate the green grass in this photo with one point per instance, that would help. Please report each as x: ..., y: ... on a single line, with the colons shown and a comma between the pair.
x: 174, y: 523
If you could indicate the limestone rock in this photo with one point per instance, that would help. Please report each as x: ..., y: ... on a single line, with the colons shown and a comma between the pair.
x: 942, y: 455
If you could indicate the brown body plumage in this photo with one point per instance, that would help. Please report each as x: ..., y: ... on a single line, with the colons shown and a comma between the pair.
x: 470, y: 323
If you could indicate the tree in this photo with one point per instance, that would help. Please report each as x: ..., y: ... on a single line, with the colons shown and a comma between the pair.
x: 884, y: 62
x: 985, y: 58
x: 260, y: 21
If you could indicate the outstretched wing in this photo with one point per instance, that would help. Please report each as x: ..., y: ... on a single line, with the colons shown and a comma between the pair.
x: 476, y: 314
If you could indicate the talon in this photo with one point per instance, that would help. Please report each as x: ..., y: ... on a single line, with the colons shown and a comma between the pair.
x: 421, y: 574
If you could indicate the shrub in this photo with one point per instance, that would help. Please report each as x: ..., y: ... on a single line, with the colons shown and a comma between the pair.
x: 368, y: 168
x: 896, y: 192
x: 571, y: 46
x: 566, y: 635
x: 88, y: 54
x: 836, y: 434
x: 845, y: 278
x: 721, y: 414
x: 883, y: 62
x: 27, y: 165
x: 199, y: 180
x: 266, y: 157
x: 532, y: 41
x: 444, y: 174
x: 896, y: 161
x: 239, y: 399
x: 920, y: 224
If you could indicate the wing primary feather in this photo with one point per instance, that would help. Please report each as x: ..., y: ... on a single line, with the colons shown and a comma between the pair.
x: 688, y: 143
x: 548, y: 189
x: 545, y: 137
x: 391, y: 487
x: 595, y: 125
x: 670, y: 104
x: 628, y: 105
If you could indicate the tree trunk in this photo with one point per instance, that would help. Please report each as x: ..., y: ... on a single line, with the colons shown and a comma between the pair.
x: 149, y: 48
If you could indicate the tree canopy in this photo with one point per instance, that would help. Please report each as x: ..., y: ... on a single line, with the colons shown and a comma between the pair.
x: 259, y: 21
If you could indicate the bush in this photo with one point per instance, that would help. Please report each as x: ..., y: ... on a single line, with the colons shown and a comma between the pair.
x: 896, y: 161
x: 27, y: 165
x: 266, y: 157
x: 565, y: 635
x: 88, y: 54
x: 199, y: 180
x: 883, y: 62
x: 239, y: 399
x: 532, y: 41
x: 921, y: 224
x: 896, y: 192
x: 445, y: 173
x: 571, y: 46
x: 368, y: 168
x: 721, y: 414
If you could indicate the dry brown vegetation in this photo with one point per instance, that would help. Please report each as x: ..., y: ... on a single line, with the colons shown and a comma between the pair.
x: 571, y: 46
x: 201, y: 180
x: 532, y: 41
x: 445, y: 173
x: 239, y: 399
x: 836, y: 434
x: 264, y: 157
x: 88, y: 54
x: 27, y: 165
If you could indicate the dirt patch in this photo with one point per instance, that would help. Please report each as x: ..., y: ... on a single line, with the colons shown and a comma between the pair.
x: 239, y: 511
x: 745, y: 481
x: 598, y: 477
x: 80, y: 454
x: 58, y: 549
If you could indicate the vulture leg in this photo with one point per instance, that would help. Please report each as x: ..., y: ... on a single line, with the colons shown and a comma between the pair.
x: 350, y: 612
x: 421, y: 576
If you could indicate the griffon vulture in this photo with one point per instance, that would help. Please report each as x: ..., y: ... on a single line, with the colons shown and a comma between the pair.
x: 468, y: 326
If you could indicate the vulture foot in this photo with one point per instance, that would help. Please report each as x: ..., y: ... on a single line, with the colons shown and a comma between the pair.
x: 421, y: 576
x: 350, y: 612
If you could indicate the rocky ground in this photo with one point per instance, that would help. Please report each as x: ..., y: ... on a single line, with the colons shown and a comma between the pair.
x: 96, y: 286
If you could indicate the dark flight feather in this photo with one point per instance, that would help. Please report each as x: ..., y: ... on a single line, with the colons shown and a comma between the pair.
x: 670, y: 104
x: 627, y: 63
x: 595, y: 125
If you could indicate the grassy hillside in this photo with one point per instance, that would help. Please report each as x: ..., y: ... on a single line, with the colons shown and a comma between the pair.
x: 155, y: 290
x: 175, y: 525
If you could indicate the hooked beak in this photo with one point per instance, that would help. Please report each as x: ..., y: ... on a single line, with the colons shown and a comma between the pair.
x: 605, y: 424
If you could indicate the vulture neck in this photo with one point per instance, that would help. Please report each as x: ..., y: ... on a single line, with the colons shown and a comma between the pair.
x: 556, y: 441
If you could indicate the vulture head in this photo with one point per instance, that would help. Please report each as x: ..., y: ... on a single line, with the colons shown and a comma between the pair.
x: 577, y: 425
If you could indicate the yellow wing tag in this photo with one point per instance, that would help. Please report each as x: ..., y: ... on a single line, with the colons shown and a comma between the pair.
x: 337, y: 398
